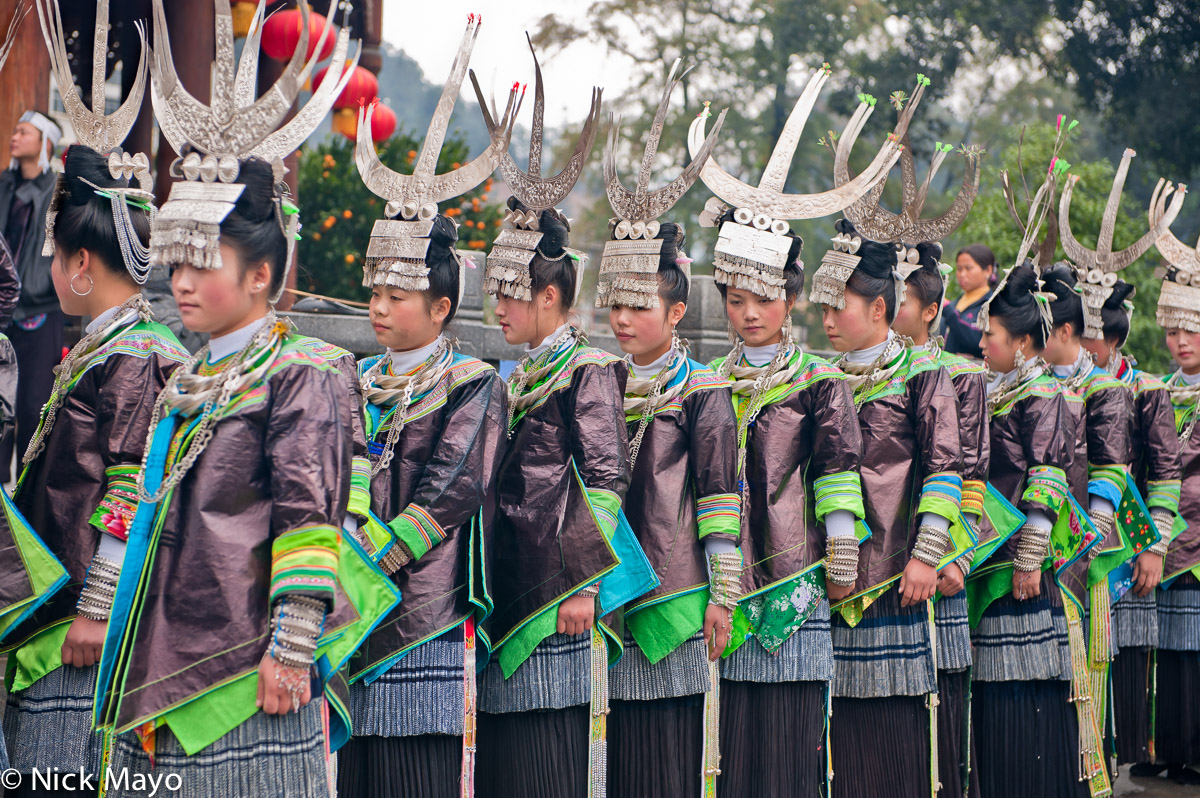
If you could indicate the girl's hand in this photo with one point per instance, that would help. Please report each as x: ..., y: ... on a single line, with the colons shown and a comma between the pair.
x: 1147, y: 573
x: 918, y: 583
x: 837, y: 592
x: 576, y: 615
x: 1026, y: 584
x: 950, y: 580
x: 84, y: 642
x: 274, y: 697
x: 717, y: 624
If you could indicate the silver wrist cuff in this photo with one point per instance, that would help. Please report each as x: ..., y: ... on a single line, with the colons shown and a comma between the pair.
x: 1164, y: 522
x: 99, y: 589
x: 1031, y: 548
x: 591, y: 591
x: 963, y: 561
x: 1105, y: 524
x: 932, y: 543
x: 725, y: 579
x: 841, y: 560
x: 295, y: 628
x: 396, y: 558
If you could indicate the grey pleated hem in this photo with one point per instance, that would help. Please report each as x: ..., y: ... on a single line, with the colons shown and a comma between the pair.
x: 806, y: 656
x: 953, y: 632
x: 889, y: 653
x: 557, y: 675
x: 268, y: 756
x: 682, y: 672
x: 1179, y: 618
x: 1135, y: 621
x: 1021, y: 642
x: 421, y: 694
x: 50, y: 725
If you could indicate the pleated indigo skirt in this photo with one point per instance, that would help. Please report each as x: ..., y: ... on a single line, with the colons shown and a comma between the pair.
x: 656, y: 747
x: 418, y: 766
x: 535, y: 754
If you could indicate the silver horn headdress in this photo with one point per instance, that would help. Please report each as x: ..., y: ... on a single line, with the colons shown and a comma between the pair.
x: 10, y: 36
x: 907, y: 228
x: 1179, y: 300
x: 752, y: 250
x: 396, y: 252
x: 1096, y: 269
x: 629, y: 265
x: 515, y: 247
x: 102, y: 132
x: 840, y: 260
x: 213, y: 139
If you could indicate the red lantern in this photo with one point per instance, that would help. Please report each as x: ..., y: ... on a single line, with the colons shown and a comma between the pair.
x: 383, y: 123
x: 363, y: 86
x: 281, y: 35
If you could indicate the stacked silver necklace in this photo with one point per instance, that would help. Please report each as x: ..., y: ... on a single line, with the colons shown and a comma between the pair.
x: 397, y: 391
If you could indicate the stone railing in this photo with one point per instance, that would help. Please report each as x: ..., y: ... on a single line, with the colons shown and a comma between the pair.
x: 704, y: 326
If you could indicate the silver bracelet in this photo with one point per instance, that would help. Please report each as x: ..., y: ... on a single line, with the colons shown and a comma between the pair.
x: 591, y: 591
x: 396, y: 558
x: 1105, y: 524
x: 1031, y: 548
x: 295, y: 628
x: 841, y: 560
x: 964, y: 561
x: 932, y: 543
x: 99, y: 589
x: 1164, y: 522
x: 725, y: 579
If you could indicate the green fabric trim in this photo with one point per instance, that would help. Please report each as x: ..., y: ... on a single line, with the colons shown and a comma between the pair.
x: 521, y: 644
x: 939, y: 505
x: 42, y: 568
x: 417, y: 531
x: 200, y: 723
x: 360, y: 487
x: 838, y: 491
x: 663, y: 627
x: 39, y: 656
x: 606, y: 506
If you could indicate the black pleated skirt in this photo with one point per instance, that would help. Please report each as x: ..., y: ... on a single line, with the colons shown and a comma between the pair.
x: 1177, y: 707
x: 954, y: 726
x: 772, y: 739
x: 1131, y: 704
x: 880, y: 747
x: 1027, y: 740
x: 422, y: 766
x: 655, y: 748
x: 540, y: 754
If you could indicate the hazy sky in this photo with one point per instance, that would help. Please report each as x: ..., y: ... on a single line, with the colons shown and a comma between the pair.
x: 430, y: 33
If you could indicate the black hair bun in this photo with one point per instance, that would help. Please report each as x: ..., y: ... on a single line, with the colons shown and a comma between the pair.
x: 444, y: 232
x: 1059, y: 278
x: 930, y: 253
x: 877, y: 260
x: 1121, y: 291
x: 555, y: 230
x: 1021, y: 283
x: 84, y: 163
x: 257, y: 202
x: 672, y: 236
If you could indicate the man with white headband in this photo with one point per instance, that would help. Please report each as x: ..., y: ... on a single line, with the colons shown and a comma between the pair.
x: 36, y: 330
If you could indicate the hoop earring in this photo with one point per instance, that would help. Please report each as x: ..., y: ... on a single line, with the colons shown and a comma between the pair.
x: 91, y: 284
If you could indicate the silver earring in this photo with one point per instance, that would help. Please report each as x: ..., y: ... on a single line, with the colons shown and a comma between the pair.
x: 732, y: 333
x: 1019, y: 359
x: 91, y: 284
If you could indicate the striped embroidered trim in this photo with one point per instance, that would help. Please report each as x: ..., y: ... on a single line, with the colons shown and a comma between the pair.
x: 840, y: 491
x: 941, y: 494
x: 583, y: 356
x: 702, y: 378
x: 1163, y: 493
x: 139, y: 340
x: 459, y: 372
x: 115, y: 512
x: 417, y: 530
x: 1043, y: 387
x: 305, y: 560
x: 1046, y: 485
x: 360, y: 486
x: 720, y: 512
x: 1099, y: 381
x: 956, y: 365
x: 972, y: 496
x: 1107, y: 481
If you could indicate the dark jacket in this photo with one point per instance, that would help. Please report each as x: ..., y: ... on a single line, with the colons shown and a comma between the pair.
x: 37, y: 288
x: 10, y: 284
x: 962, y: 335
x: 443, y: 467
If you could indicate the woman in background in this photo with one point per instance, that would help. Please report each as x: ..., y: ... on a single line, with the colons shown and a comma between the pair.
x: 975, y: 270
